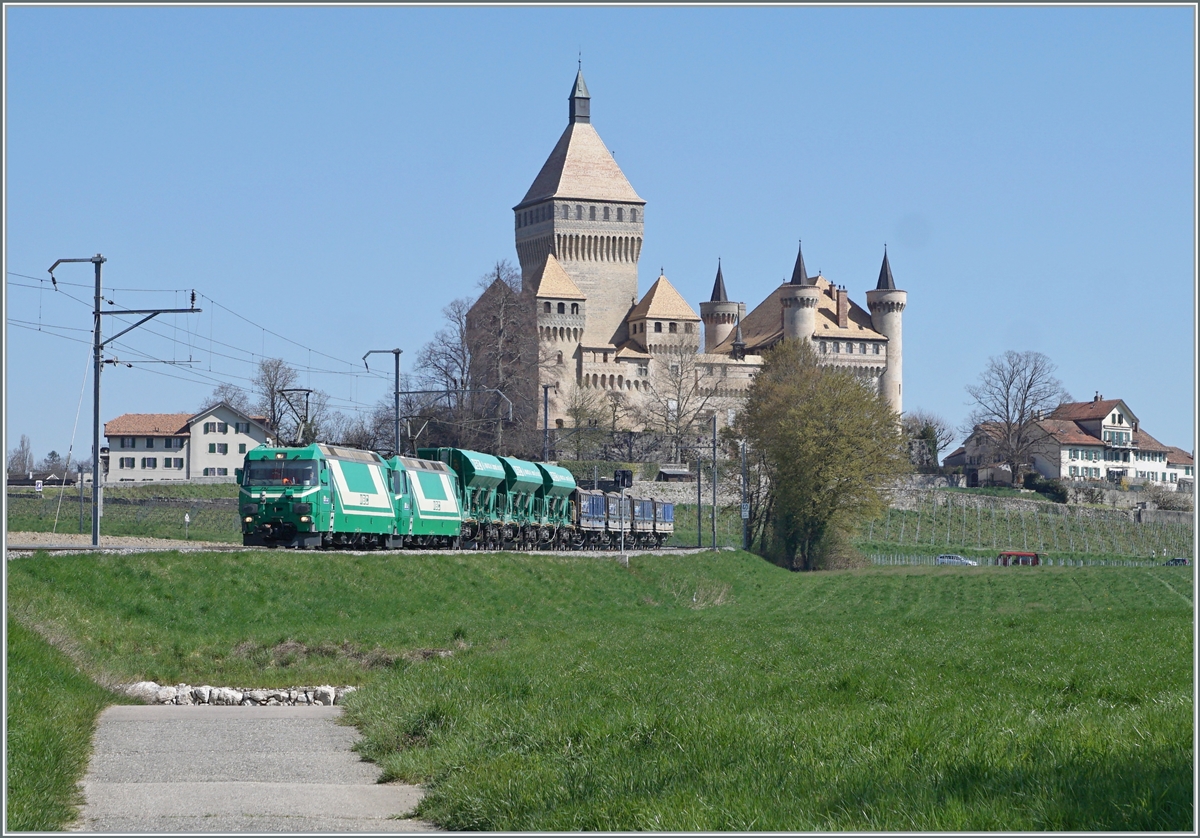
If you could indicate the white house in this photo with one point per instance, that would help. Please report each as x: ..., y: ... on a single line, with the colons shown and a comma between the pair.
x: 1098, y: 440
x: 181, y: 446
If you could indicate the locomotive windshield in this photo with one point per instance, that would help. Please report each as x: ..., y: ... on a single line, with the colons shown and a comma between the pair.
x: 281, y: 473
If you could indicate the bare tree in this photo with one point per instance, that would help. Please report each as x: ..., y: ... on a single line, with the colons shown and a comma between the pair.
x: 502, y: 341
x: 272, y: 378
x: 932, y: 430
x: 445, y: 362
x: 232, y: 395
x: 20, y: 459
x: 585, y: 412
x: 677, y: 398
x: 1015, y: 391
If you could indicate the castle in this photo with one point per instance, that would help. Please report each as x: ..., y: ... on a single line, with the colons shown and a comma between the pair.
x: 579, y: 232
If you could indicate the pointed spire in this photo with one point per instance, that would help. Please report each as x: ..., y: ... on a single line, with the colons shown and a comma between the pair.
x: 738, y: 345
x: 886, y: 283
x: 718, y: 294
x: 581, y: 110
x: 799, y: 273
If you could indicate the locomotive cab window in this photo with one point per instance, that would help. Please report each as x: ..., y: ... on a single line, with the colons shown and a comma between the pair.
x: 281, y: 473
x: 400, y: 483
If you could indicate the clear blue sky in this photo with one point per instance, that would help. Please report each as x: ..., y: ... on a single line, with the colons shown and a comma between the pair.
x: 337, y: 175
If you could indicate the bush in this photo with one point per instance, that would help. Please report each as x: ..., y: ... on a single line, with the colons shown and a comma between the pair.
x: 1052, y: 489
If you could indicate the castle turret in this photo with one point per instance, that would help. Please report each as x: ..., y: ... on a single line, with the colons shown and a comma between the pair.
x: 719, y: 315
x: 887, y: 306
x: 800, y: 298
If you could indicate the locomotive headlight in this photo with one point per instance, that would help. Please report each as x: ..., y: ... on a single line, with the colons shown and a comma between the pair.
x: 305, y: 519
x: 249, y: 519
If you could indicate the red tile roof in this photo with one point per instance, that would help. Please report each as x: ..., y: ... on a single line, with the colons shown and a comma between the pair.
x: 1178, y: 456
x: 148, y: 424
x: 1085, y: 410
x: 1066, y: 432
x: 1145, y: 442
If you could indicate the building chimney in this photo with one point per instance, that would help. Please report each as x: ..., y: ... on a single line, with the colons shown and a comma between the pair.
x: 1097, y: 398
x: 843, y: 307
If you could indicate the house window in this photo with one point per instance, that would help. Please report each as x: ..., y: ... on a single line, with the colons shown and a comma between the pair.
x: 179, y: 462
x: 620, y: 214
x: 222, y: 472
x: 241, y: 448
x: 149, y: 442
x: 222, y: 428
x: 574, y: 308
x: 212, y: 448
x: 126, y: 462
x: 562, y: 308
x: 673, y: 327
x: 209, y: 427
x: 222, y: 448
x: 658, y: 327
x: 242, y: 427
x: 591, y: 213
x: 149, y: 462
x: 208, y: 472
x: 1074, y: 471
x: 128, y: 442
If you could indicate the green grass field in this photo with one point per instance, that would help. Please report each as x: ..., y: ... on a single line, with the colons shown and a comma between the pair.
x: 708, y: 692
x: 52, y: 709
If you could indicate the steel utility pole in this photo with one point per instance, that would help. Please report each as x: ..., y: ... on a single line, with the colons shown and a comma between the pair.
x: 97, y: 349
x: 396, y: 395
x: 714, y: 481
x: 546, y: 422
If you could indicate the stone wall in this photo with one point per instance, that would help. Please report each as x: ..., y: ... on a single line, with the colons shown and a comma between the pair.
x: 149, y: 692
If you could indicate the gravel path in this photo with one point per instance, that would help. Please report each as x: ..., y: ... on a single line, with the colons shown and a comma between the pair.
x: 14, y: 540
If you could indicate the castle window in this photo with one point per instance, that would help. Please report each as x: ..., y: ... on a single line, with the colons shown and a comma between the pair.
x: 606, y: 213
x: 862, y: 348
x: 658, y: 327
x: 837, y: 347
x: 546, y: 307
x: 876, y: 349
x: 824, y: 347
x: 849, y: 348
x: 560, y: 358
x: 673, y: 327
x: 574, y: 308
x: 591, y: 213
x: 566, y: 212
x: 606, y: 357
x: 687, y: 328
x: 578, y: 212
x: 562, y: 308
x: 644, y: 370
x: 620, y: 214
x: 633, y: 215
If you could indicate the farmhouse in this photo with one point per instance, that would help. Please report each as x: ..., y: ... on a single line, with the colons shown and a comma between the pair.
x: 182, y: 446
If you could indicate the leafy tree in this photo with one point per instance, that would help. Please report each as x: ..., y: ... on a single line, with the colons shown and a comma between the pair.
x: 51, y: 462
x: 1014, y: 392
x: 827, y: 443
x: 20, y: 459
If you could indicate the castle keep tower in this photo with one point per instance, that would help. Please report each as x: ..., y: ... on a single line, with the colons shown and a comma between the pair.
x: 583, y: 210
x: 719, y: 315
x: 799, y: 299
x: 887, y: 305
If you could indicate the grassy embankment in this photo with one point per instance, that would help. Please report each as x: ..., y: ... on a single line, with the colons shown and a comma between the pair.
x: 688, y: 693
x: 52, y: 710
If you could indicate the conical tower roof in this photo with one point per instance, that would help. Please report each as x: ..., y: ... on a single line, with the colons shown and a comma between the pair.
x: 580, y: 166
x: 718, y: 294
x: 799, y: 272
x: 886, y: 283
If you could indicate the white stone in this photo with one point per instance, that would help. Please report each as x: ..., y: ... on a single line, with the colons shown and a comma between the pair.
x: 166, y: 695
x: 200, y: 694
x: 146, y: 691
x: 325, y: 695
